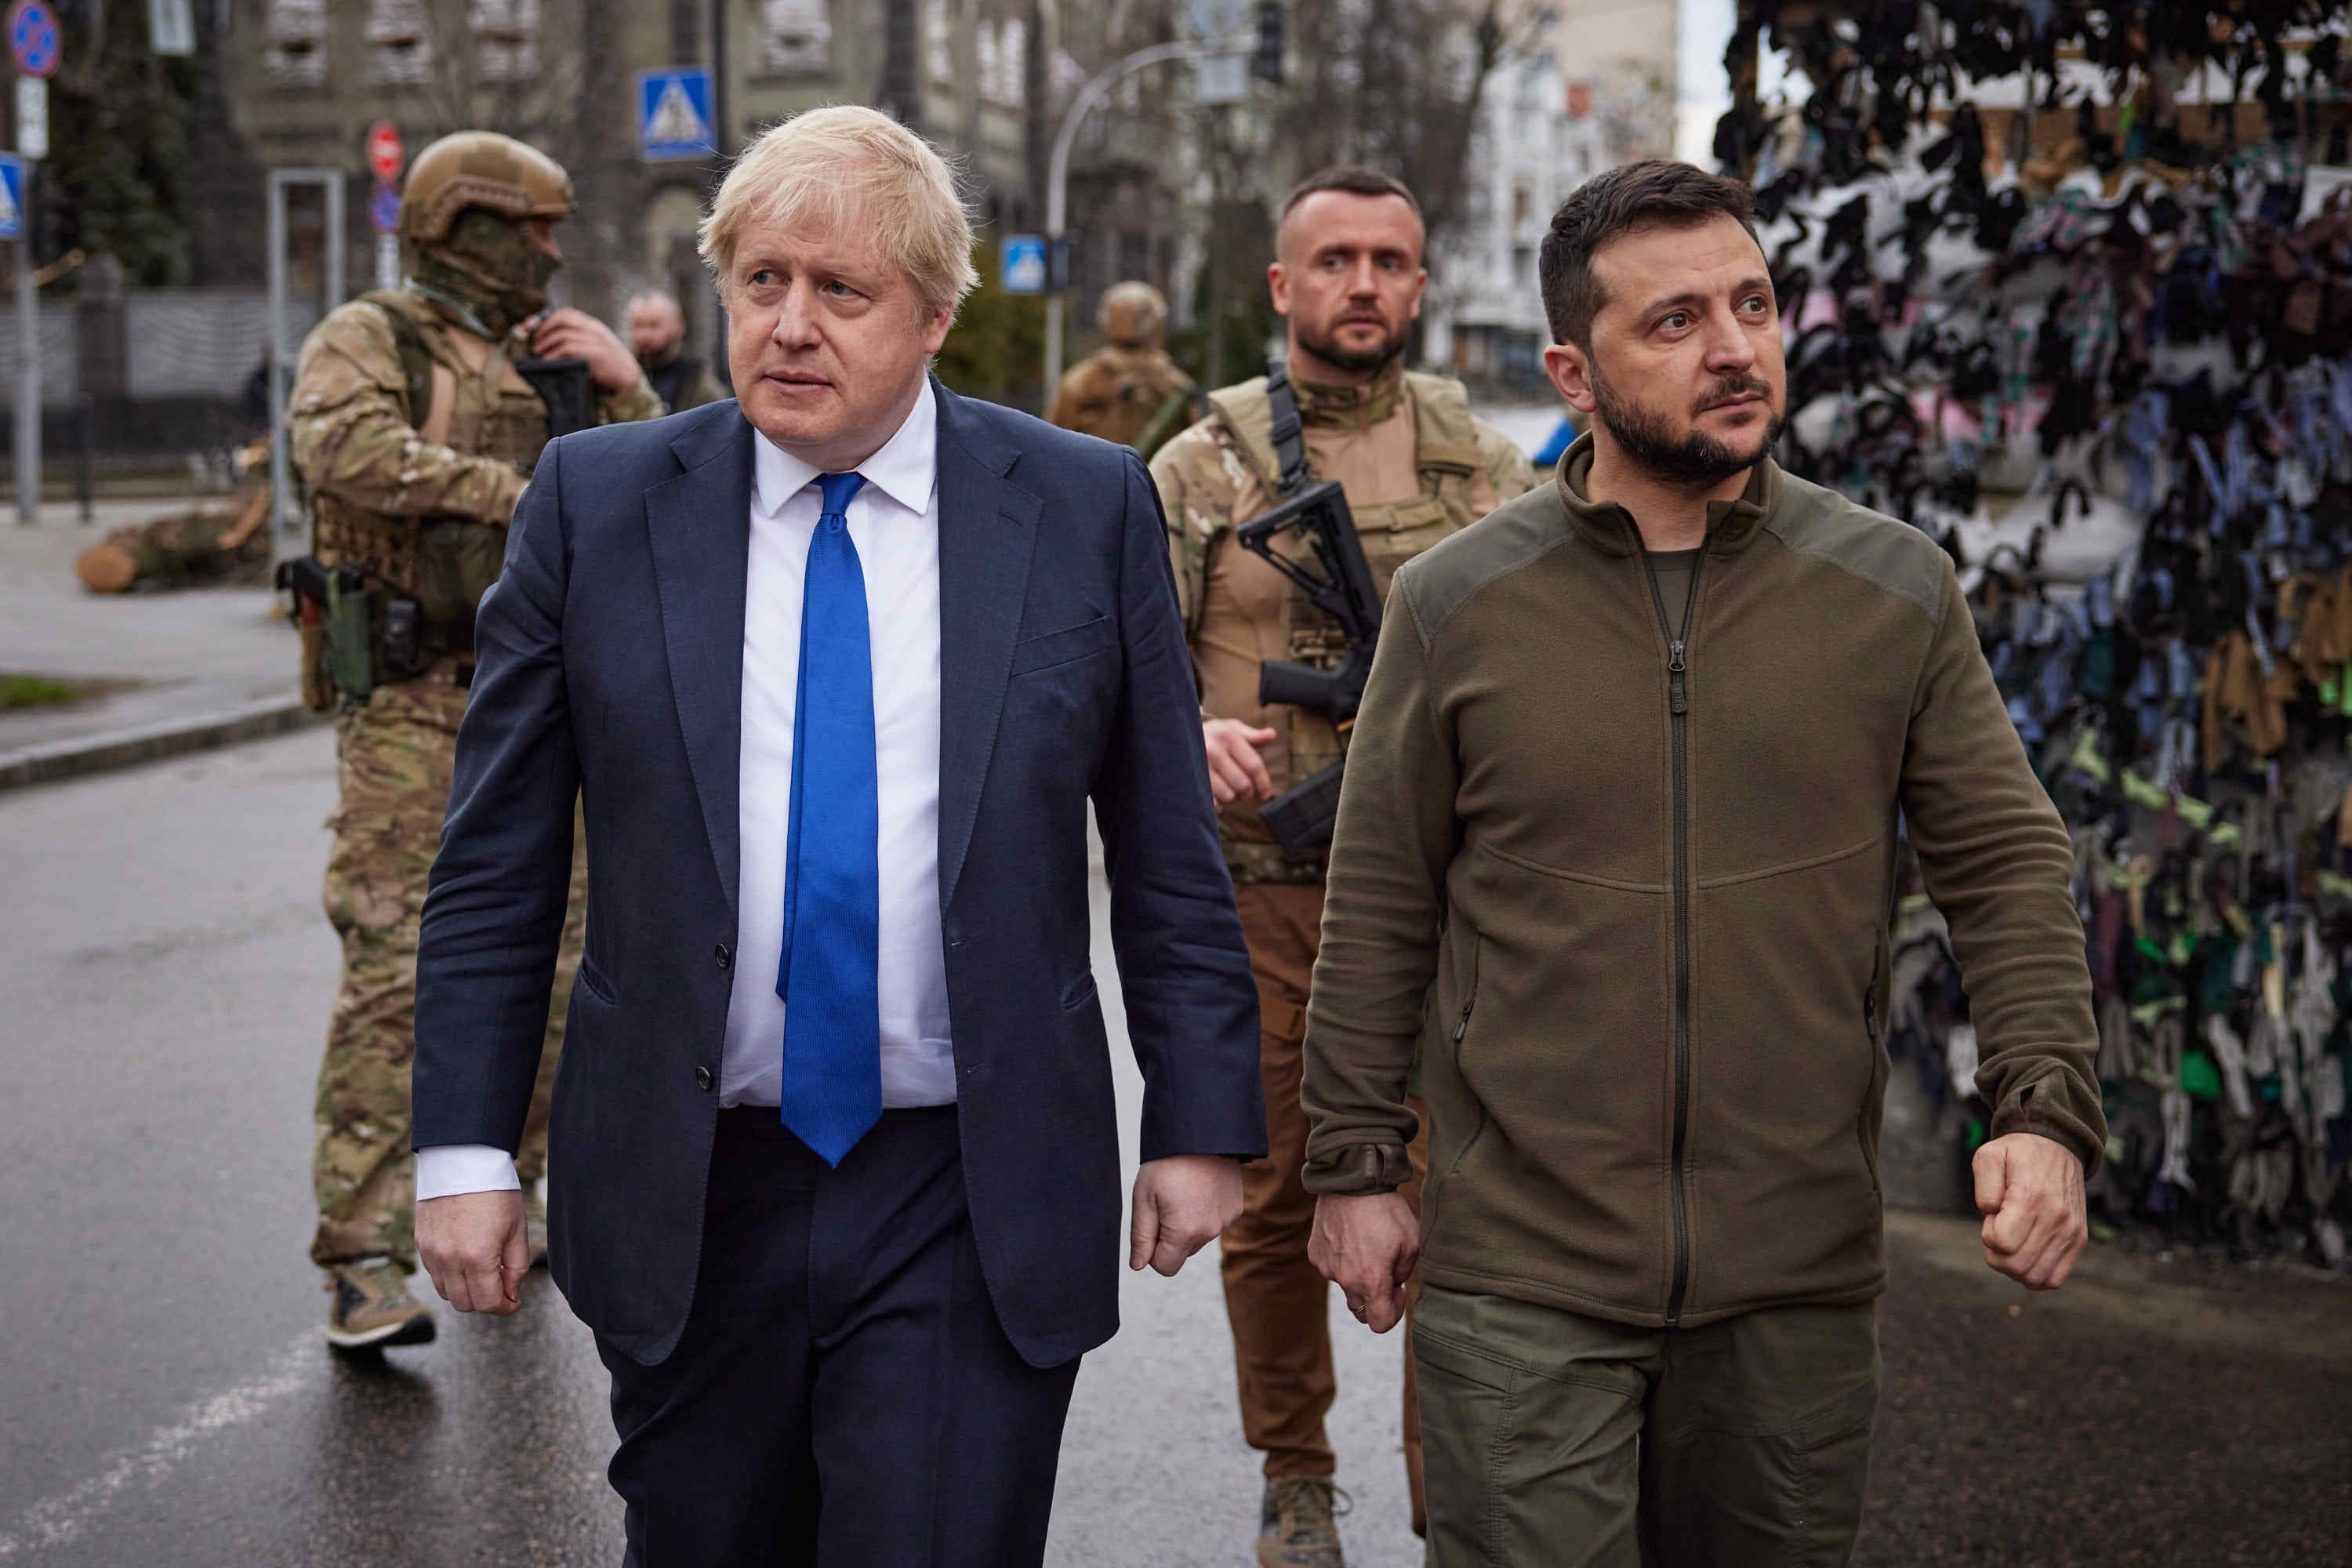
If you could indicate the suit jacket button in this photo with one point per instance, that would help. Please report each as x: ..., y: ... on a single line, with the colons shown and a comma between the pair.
x: 702, y: 1077
x: 724, y: 958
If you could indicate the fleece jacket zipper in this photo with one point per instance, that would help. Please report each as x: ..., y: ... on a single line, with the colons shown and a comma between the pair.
x: 1678, y: 720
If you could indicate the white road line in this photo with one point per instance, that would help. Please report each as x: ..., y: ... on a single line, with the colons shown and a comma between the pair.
x: 60, y: 1519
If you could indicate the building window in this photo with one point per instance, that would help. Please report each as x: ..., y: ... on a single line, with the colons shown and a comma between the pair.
x: 294, y: 43
x: 399, y: 43
x: 795, y: 36
x: 939, y: 41
x: 506, y: 39
x: 1005, y: 62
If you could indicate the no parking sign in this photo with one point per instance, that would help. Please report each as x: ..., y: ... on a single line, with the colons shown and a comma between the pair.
x: 33, y: 41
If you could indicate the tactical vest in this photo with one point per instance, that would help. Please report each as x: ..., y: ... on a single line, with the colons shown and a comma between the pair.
x: 447, y: 562
x: 1447, y: 458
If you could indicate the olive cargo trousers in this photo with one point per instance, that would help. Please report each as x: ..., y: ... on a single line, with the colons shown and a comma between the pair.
x: 1563, y: 1441
x: 395, y: 757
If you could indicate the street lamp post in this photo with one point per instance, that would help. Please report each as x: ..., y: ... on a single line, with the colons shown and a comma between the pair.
x: 1057, y: 172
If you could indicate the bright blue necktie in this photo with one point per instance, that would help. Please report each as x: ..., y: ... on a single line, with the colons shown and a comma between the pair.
x: 833, y: 1030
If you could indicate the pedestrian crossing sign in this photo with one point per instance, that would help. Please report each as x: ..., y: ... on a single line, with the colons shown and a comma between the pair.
x: 674, y: 115
x: 11, y: 196
x: 1021, y: 265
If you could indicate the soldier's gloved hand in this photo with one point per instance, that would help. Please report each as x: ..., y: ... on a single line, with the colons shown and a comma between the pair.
x: 1234, y: 767
x: 575, y: 334
x: 477, y: 1248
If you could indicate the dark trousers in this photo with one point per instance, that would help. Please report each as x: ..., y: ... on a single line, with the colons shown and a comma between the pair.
x: 843, y: 1394
x: 1564, y: 1440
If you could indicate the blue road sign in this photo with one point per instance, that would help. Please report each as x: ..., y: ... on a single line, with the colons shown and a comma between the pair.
x: 33, y: 41
x: 674, y: 115
x: 1021, y: 264
x: 11, y: 196
x: 383, y: 209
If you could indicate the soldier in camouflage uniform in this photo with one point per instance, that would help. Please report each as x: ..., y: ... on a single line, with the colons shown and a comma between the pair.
x: 1415, y: 466
x: 1128, y: 390
x: 416, y: 433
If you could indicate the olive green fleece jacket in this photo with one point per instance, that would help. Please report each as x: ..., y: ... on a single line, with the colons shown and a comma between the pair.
x: 1637, y: 916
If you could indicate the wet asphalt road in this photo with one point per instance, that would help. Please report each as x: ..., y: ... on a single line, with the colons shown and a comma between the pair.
x: 164, y: 980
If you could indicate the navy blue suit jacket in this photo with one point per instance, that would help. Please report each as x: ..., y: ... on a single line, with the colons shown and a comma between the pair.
x: 610, y: 667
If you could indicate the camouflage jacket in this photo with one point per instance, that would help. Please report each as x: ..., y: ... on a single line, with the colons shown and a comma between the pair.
x: 1416, y: 466
x: 1116, y: 392
x: 377, y: 471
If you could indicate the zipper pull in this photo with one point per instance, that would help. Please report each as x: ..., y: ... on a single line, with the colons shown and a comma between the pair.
x: 1677, y: 701
x: 1461, y: 1025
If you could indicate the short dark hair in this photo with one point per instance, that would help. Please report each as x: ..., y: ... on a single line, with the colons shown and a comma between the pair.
x: 1356, y: 179
x: 1654, y: 194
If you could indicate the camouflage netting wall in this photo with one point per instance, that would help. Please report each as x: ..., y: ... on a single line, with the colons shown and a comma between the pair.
x: 2102, y: 348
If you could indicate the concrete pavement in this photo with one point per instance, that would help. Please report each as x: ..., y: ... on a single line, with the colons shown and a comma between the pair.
x: 190, y: 668
x: 164, y: 978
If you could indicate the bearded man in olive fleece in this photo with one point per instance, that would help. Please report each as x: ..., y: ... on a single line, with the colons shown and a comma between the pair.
x: 1624, y: 793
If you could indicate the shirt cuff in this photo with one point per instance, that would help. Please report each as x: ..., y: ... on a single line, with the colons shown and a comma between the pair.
x: 445, y: 1170
x: 1358, y: 1169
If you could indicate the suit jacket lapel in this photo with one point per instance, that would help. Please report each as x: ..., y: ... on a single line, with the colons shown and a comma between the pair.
x: 987, y: 528
x: 702, y: 529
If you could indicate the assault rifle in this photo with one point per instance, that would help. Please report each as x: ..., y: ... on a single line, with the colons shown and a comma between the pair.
x: 563, y: 385
x: 1336, y: 581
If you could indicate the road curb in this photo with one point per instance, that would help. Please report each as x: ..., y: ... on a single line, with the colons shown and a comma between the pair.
x: 153, y: 742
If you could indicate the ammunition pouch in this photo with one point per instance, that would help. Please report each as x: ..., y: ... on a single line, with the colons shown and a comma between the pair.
x: 457, y: 559
x: 334, y: 610
x: 356, y: 638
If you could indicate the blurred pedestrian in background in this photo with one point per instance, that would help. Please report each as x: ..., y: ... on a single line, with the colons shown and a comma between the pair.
x: 657, y: 333
x: 1128, y: 390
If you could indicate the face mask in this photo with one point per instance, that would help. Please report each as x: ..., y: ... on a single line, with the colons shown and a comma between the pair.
x: 493, y: 266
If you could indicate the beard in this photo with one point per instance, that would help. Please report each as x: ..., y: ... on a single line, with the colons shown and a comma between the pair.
x: 1355, y: 361
x: 1690, y: 456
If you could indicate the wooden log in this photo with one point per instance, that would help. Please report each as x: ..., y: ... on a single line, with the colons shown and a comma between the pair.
x: 189, y: 549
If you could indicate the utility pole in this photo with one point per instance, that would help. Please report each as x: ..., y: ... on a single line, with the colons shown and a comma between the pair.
x: 720, y: 131
x: 28, y: 360
x: 1057, y: 172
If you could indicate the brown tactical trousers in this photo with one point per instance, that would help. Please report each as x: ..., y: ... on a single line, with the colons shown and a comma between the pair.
x: 1278, y: 1305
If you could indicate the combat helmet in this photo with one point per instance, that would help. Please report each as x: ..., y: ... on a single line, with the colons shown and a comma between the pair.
x: 1132, y: 314
x: 480, y: 169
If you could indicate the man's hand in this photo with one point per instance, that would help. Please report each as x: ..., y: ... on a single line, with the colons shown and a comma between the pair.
x: 1181, y: 1202
x: 1367, y: 1244
x: 2030, y: 1189
x: 475, y: 1248
x: 1234, y: 767
x: 575, y: 334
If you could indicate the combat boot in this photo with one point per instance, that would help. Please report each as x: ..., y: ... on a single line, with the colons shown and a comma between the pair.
x: 1295, y: 1523
x: 373, y: 1307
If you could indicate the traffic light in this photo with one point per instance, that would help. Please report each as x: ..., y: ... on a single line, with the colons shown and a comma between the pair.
x: 1266, y: 64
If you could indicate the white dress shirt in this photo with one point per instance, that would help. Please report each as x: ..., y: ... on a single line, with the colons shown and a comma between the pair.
x: 894, y: 521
